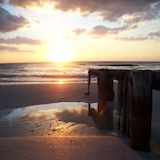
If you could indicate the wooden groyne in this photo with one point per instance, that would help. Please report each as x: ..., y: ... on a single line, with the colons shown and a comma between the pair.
x: 134, y: 100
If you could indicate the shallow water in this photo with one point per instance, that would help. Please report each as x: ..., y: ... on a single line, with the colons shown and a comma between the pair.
x: 55, y: 119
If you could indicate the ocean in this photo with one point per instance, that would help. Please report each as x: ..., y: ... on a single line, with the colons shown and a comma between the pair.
x: 62, y: 72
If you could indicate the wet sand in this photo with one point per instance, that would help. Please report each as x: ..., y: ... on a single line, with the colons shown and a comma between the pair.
x: 66, y: 148
x: 69, y: 147
x: 14, y: 96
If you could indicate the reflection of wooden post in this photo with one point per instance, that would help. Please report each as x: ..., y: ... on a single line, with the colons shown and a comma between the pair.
x: 140, y: 109
x: 105, y: 89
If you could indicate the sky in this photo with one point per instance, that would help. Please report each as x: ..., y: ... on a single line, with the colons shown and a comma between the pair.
x: 79, y: 30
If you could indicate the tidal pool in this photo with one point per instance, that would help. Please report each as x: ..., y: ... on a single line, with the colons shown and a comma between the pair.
x: 55, y: 119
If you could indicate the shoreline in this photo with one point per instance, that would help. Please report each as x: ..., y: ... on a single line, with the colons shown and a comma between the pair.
x: 34, y: 83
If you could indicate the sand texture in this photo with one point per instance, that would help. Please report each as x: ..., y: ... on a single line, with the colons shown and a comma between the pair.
x: 66, y: 148
x: 14, y: 96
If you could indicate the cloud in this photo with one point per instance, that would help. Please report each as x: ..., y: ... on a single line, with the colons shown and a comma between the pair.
x: 151, y: 12
x: 107, y: 9
x: 137, y: 8
x: 133, y: 38
x: 10, y: 22
x: 29, y: 3
x: 79, y: 31
x: 99, y: 30
x: 2, y: 1
x: 155, y: 33
x: 6, y: 44
x: 12, y: 49
x: 103, y: 30
x: 20, y: 40
x: 130, y: 12
x: 110, y: 10
x: 7, y: 48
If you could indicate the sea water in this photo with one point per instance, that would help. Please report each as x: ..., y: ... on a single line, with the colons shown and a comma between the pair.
x: 63, y: 72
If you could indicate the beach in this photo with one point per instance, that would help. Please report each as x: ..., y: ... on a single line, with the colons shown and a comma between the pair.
x: 69, y: 146
x: 66, y: 148
x: 14, y: 96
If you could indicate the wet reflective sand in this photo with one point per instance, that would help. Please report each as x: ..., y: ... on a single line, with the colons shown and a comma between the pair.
x: 65, y: 118
x: 65, y: 130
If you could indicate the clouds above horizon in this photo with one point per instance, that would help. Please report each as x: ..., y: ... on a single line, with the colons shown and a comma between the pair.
x: 20, y: 40
x: 12, y: 44
x: 102, y: 30
x: 79, y: 31
x: 107, y: 9
x: 10, y: 49
x: 128, y: 13
x: 155, y: 33
x: 9, y: 22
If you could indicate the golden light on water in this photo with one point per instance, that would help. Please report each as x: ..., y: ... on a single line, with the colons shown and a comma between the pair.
x: 60, y: 52
x: 61, y: 81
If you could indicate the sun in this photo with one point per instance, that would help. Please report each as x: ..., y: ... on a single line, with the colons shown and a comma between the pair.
x: 60, y: 52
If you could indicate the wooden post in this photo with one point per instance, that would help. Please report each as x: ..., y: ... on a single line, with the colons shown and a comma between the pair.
x: 156, y: 80
x: 124, y: 120
x: 89, y: 82
x: 140, y: 109
x: 120, y: 105
x: 105, y: 89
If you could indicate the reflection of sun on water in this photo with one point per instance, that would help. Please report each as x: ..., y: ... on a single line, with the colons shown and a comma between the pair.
x: 60, y: 52
x: 61, y: 81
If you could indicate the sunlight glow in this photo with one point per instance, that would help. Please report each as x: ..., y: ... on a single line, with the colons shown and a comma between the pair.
x: 61, y: 81
x: 60, y: 52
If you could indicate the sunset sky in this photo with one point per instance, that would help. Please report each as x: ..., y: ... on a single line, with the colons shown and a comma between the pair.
x: 79, y: 30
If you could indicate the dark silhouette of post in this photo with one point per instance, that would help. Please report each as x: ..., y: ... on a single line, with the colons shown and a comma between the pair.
x: 123, y: 100
x: 89, y: 82
x: 134, y: 102
x: 140, y: 84
x: 105, y: 89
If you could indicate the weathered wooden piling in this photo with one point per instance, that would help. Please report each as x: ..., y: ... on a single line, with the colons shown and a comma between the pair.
x: 156, y: 80
x: 124, y: 111
x: 141, y: 109
x: 134, y: 101
x: 105, y: 89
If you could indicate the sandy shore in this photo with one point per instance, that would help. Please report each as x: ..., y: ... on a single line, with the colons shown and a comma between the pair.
x: 69, y: 147
x: 66, y: 148
x: 14, y: 96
